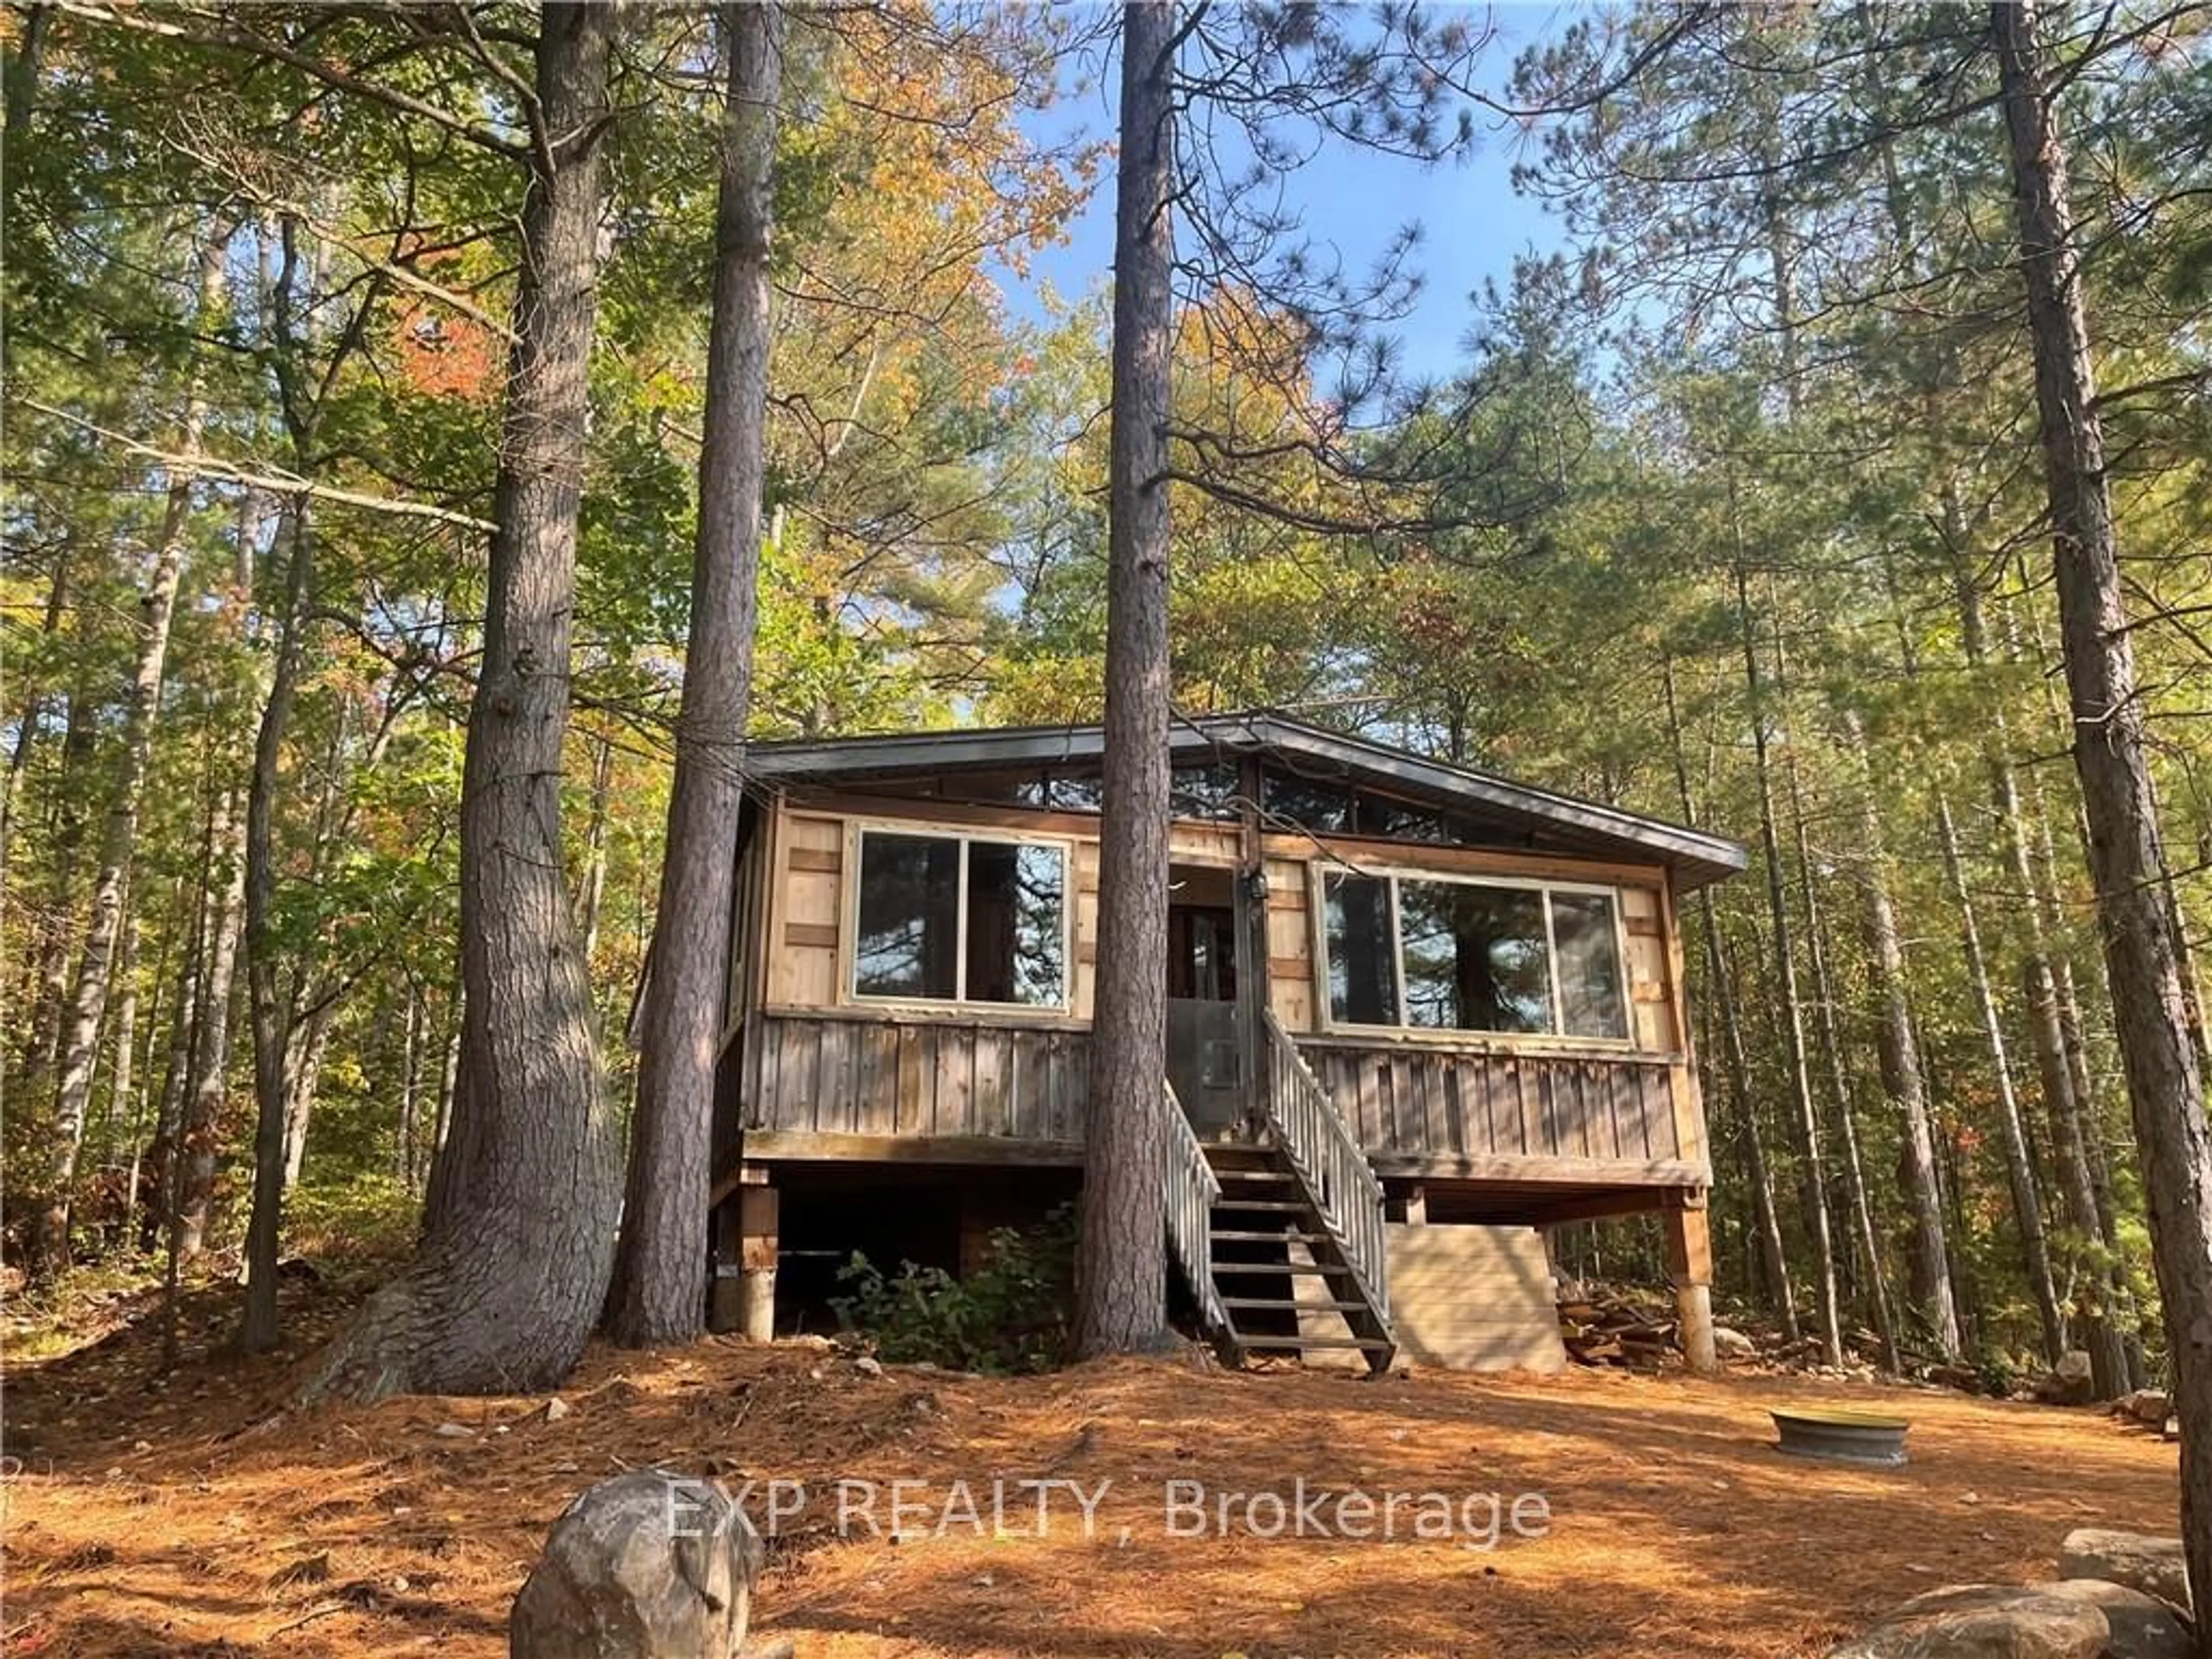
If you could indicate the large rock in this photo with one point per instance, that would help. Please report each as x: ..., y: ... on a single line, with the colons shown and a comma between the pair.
x: 2144, y: 1627
x: 648, y: 1565
x: 2150, y: 1405
x: 1733, y: 1344
x: 1985, y: 1621
x: 2153, y: 1565
x: 2072, y: 1382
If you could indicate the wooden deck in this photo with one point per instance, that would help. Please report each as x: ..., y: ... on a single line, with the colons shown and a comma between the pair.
x: 867, y: 1086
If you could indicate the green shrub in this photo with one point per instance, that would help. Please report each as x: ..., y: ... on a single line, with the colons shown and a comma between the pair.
x: 1995, y: 1370
x: 1010, y: 1315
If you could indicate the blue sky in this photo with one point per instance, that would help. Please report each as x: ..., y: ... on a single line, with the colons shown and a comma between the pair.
x: 1473, y: 224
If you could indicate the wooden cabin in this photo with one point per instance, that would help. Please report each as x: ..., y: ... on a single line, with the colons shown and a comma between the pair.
x: 1416, y: 1014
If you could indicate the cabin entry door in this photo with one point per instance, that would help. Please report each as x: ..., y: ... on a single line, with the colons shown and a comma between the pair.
x: 1205, y: 1038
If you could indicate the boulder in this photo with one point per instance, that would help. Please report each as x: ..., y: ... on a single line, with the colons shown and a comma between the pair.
x: 2153, y: 1565
x: 1985, y: 1621
x: 648, y: 1565
x: 1733, y: 1344
x: 2069, y: 1382
x: 2151, y: 1406
x: 2144, y: 1627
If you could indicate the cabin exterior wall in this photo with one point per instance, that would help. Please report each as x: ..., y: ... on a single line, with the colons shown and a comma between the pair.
x: 820, y: 1073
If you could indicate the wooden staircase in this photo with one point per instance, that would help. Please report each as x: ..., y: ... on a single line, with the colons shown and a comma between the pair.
x: 1247, y: 1220
x: 1268, y: 1232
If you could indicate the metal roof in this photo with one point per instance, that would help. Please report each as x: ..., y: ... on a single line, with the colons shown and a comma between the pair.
x: 1698, y: 858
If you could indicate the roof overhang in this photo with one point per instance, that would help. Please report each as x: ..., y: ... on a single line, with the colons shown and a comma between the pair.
x: 1695, y: 857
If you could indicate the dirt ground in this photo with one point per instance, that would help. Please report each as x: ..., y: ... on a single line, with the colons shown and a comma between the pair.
x: 189, y: 1517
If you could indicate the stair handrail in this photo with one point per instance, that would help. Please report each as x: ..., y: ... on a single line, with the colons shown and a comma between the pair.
x: 1192, y: 1189
x: 1314, y: 1135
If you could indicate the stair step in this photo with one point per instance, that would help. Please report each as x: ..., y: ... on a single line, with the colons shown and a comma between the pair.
x: 1289, y: 1235
x: 1322, y: 1270
x: 1368, y: 1344
x: 1277, y: 1176
x: 1283, y: 1204
x: 1269, y: 1303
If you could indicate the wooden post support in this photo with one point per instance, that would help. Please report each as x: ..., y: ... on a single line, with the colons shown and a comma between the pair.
x: 758, y: 1211
x: 1690, y: 1265
x: 1412, y: 1206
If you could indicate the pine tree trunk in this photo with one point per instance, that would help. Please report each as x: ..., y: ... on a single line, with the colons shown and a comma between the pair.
x: 1792, y: 1018
x: 2144, y: 952
x: 1768, y: 1216
x: 511, y: 1269
x: 2020, y: 1167
x: 1121, y: 1263
x: 89, y: 1005
x: 1898, y: 1050
x: 2046, y: 1035
x: 660, y: 1271
x: 1766, y: 1222
x: 1839, y: 1087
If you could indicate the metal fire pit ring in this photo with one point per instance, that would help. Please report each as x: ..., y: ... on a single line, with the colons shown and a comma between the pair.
x: 1841, y: 1436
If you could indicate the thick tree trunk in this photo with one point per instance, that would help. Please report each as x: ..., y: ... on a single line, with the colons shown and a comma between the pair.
x: 1122, y: 1264
x: 2143, y: 950
x: 89, y: 1006
x: 1898, y: 1049
x: 1791, y: 1010
x: 2012, y: 1133
x: 513, y: 1266
x: 268, y: 1001
x: 660, y: 1271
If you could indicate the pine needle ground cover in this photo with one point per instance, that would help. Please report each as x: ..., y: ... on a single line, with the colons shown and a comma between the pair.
x: 191, y: 1518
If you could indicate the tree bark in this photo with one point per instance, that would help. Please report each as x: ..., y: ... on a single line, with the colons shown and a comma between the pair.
x: 1898, y: 1049
x: 1839, y: 1086
x: 1121, y: 1261
x: 271, y: 1010
x: 1766, y: 1222
x: 200, y: 1130
x: 2144, y: 953
x: 513, y: 1266
x: 2020, y: 1167
x: 156, y: 608
x: 2047, y: 1033
x: 660, y: 1270
x: 1792, y: 1018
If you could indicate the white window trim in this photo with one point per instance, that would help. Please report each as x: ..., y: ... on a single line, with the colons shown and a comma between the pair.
x: 848, y: 956
x: 1324, y: 1000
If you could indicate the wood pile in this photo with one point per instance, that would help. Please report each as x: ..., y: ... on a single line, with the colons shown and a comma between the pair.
x: 1613, y: 1325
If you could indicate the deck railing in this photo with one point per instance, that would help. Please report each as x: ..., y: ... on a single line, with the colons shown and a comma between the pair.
x: 1311, y: 1132
x: 1192, y: 1188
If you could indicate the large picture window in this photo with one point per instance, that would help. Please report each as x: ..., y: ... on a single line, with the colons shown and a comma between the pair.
x: 961, y: 919
x: 1441, y: 954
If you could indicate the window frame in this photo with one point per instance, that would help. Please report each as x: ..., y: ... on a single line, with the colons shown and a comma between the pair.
x: 848, y: 953
x: 1556, y: 1035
